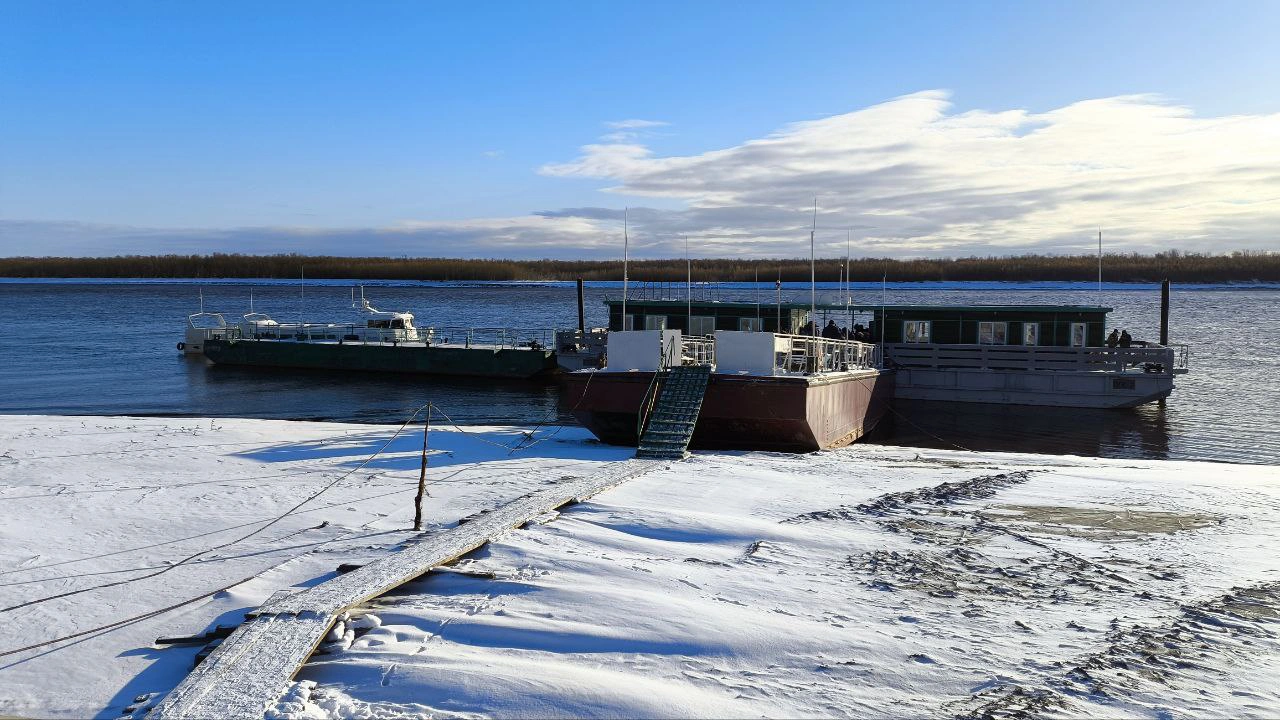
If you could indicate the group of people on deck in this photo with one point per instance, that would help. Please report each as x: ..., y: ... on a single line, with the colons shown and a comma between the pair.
x: 835, y: 332
x: 1119, y: 338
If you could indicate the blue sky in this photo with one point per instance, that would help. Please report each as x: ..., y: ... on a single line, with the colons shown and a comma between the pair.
x: 459, y: 129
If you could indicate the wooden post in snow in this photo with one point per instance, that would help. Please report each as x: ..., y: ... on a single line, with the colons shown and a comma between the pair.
x: 422, y: 475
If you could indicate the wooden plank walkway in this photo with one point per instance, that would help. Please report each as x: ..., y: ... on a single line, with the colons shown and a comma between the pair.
x: 252, y: 668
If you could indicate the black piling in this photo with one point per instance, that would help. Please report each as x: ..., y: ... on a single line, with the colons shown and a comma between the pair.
x: 1164, y: 312
x: 582, y: 318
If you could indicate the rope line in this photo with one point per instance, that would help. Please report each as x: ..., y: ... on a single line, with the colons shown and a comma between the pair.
x: 926, y: 432
x: 242, y: 538
x: 520, y: 445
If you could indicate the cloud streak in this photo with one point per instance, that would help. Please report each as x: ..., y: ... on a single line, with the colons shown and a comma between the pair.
x: 909, y: 177
x: 913, y: 177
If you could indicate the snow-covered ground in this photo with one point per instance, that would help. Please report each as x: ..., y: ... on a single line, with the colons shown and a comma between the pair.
x: 865, y: 581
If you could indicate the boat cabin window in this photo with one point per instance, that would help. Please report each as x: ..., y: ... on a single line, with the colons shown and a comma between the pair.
x: 993, y: 333
x: 396, y: 324
x: 655, y: 322
x: 702, y: 325
x: 750, y: 324
x: 916, y: 331
x: 1078, y: 334
x: 1030, y: 333
x: 628, y: 322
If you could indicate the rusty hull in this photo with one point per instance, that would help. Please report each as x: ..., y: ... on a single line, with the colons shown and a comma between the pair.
x: 741, y: 412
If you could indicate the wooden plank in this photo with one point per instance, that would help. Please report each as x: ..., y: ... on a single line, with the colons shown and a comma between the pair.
x: 251, y: 669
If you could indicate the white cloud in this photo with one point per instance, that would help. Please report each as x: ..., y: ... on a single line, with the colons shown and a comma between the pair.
x: 915, y: 178
x: 635, y: 124
x: 911, y: 176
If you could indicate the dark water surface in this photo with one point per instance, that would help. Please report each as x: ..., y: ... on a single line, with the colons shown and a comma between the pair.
x: 108, y: 347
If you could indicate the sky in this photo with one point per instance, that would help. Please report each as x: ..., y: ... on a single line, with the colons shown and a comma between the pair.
x: 524, y: 130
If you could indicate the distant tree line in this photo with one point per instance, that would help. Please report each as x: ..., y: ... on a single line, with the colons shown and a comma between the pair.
x: 1184, y: 267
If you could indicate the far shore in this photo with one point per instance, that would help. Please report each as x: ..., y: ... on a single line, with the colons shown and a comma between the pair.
x: 1236, y: 267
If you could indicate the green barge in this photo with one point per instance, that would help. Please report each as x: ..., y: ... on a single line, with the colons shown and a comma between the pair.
x: 476, y: 361
x: 384, y: 342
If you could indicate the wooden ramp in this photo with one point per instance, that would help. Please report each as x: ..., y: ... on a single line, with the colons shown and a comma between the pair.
x: 252, y: 668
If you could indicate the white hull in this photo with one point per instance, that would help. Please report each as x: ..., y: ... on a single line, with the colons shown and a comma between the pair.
x: 1050, y: 388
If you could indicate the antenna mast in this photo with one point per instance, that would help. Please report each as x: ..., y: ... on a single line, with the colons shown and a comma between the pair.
x: 1099, y: 266
x: 756, y: 283
x: 778, y: 288
x: 848, y: 286
x: 813, y: 274
x: 688, y: 286
x: 624, y: 268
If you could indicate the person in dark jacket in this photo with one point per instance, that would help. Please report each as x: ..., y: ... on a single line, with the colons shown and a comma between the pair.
x: 1125, y: 339
x: 1113, y: 339
x: 831, y: 332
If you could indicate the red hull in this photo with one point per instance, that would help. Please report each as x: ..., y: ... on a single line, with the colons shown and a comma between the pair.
x: 741, y: 412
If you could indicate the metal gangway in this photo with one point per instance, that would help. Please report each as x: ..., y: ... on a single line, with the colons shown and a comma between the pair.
x: 674, y: 412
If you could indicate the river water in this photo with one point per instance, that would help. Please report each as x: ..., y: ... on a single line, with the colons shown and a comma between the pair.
x: 108, y: 348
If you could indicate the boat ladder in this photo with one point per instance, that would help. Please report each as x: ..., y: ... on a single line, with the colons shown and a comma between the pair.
x: 675, y: 413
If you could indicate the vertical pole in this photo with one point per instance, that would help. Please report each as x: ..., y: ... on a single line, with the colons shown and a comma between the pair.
x: 1164, y: 312
x: 884, y: 294
x: 625, y: 246
x: 756, y: 284
x: 813, y: 274
x: 1100, y: 273
x: 422, y: 475
x: 848, y: 283
x: 688, y: 287
x: 778, y: 287
x: 582, y: 319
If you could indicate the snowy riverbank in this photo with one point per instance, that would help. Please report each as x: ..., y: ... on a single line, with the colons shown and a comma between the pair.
x: 868, y: 581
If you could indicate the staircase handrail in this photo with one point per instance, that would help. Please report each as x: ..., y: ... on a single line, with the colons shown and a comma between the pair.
x: 651, y: 393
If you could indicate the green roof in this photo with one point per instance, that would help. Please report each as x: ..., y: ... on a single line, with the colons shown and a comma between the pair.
x: 868, y: 308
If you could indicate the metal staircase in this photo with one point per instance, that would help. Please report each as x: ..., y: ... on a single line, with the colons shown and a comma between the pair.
x: 675, y: 413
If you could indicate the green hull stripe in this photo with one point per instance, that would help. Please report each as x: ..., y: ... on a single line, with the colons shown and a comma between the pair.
x: 434, y: 360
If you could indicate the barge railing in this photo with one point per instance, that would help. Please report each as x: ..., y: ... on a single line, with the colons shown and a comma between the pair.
x: 503, y: 338
x: 807, y: 355
x: 697, y: 350
x: 1150, y: 358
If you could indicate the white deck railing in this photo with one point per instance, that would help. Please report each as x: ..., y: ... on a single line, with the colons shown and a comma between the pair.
x: 1019, y: 357
x: 808, y: 355
x: 697, y: 350
x: 354, y: 332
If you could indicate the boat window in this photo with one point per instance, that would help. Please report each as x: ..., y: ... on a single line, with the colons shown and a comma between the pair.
x: 1030, y: 333
x: 628, y: 322
x: 398, y: 324
x: 379, y: 323
x: 702, y: 325
x: 993, y: 333
x: 750, y: 324
x: 1078, y: 334
x: 916, y: 331
x: 655, y: 322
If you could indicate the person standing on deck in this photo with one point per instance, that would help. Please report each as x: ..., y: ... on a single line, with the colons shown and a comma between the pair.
x: 1126, y: 340
x: 1113, y: 339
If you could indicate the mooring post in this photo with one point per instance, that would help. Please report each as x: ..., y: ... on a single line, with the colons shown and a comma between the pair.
x: 422, y: 475
x: 1164, y: 312
x: 582, y: 318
